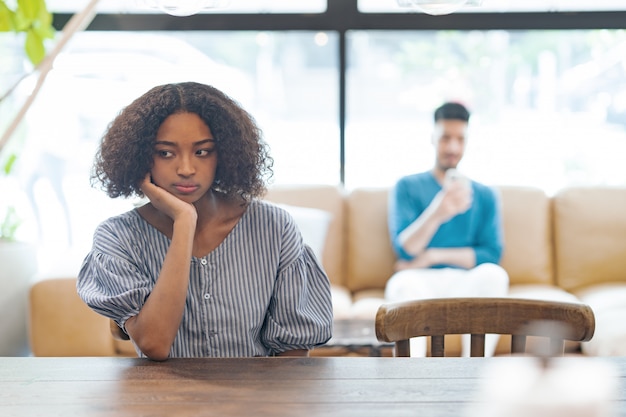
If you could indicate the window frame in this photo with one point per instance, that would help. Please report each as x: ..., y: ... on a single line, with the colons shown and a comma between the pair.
x: 342, y: 16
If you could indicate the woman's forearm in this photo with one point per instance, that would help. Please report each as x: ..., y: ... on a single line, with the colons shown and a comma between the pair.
x: 155, y: 327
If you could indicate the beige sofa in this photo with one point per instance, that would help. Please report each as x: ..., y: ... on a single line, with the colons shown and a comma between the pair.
x: 571, y: 246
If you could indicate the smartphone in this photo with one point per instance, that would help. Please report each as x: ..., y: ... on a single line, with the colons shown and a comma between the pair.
x: 453, y: 175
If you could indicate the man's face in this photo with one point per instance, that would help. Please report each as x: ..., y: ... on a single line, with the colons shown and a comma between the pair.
x: 449, y: 139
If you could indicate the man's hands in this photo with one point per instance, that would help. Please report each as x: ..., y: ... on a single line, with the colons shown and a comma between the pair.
x: 422, y: 260
x: 460, y: 257
x: 454, y: 198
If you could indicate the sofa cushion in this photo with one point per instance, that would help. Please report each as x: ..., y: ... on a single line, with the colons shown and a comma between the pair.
x: 542, y: 292
x: 608, y: 302
x: 609, y: 338
x: 342, y: 302
x: 61, y: 324
x: 601, y: 297
x: 369, y: 254
x: 527, y: 255
x: 590, y: 236
x: 366, y: 303
x: 324, y: 197
x: 313, y: 224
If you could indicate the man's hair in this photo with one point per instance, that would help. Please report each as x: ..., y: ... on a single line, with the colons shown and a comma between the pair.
x: 452, y: 111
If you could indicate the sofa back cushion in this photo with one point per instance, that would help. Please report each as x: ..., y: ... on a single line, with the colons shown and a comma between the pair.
x: 329, y: 199
x: 590, y: 236
x: 61, y: 324
x: 527, y: 257
x: 527, y: 227
x: 369, y: 254
x: 358, y: 252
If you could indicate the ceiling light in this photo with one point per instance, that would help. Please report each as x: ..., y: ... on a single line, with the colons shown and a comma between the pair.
x: 438, y: 7
x: 183, y: 7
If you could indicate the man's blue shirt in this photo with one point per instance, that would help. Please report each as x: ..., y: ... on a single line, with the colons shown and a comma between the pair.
x: 480, y: 227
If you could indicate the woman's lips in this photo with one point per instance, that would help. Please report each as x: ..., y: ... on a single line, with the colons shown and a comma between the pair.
x: 185, y: 188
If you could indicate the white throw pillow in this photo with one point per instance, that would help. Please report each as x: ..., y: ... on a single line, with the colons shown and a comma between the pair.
x: 313, y: 224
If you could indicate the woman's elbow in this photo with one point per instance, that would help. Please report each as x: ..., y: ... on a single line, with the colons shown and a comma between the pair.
x: 158, y: 355
x: 155, y: 350
x: 158, y: 358
x: 152, y: 343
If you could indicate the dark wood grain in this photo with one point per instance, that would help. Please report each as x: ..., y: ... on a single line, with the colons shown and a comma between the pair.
x: 342, y: 386
x: 478, y: 316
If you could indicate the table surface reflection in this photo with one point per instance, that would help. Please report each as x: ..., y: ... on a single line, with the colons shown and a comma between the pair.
x: 314, y: 386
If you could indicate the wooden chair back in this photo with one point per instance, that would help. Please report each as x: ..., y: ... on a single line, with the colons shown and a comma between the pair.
x: 559, y: 321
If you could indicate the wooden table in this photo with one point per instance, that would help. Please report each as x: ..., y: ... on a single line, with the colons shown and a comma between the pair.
x: 316, y: 386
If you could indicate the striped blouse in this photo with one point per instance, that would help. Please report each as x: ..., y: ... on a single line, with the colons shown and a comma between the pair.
x: 259, y: 293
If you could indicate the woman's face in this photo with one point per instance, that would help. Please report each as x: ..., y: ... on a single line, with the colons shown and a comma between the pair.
x: 185, y: 157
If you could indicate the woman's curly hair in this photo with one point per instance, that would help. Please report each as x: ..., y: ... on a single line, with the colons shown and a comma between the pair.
x: 126, y: 152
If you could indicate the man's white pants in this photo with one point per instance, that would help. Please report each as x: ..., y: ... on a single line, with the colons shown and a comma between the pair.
x: 485, y: 280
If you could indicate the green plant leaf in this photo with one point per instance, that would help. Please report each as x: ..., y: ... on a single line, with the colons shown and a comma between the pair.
x: 6, y: 18
x: 10, y: 224
x: 8, y: 166
x: 43, y: 23
x: 20, y: 22
x: 32, y: 17
x: 29, y: 8
x: 34, y: 47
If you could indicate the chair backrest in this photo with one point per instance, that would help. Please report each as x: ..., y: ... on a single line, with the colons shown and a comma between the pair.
x: 559, y: 321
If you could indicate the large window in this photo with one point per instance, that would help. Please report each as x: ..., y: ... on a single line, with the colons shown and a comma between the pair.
x: 484, y: 6
x: 286, y: 80
x: 221, y: 6
x: 549, y: 107
x: 343, y: 90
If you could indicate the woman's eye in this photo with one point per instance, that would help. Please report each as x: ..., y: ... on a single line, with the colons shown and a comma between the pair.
x: 163, y: 153
x: 204, y: 152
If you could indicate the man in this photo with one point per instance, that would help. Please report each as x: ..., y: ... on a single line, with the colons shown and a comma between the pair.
x: 446, y: 229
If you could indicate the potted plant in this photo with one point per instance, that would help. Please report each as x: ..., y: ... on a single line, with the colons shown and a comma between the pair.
x: 18, y: 259
x: 32, y: 18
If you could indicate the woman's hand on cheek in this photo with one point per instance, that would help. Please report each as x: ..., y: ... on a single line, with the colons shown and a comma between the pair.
x: 165, y: 201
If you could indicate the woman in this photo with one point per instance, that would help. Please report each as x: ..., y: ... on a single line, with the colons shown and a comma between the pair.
x: 205, y: 268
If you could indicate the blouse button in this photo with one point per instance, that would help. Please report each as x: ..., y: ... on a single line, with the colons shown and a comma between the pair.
x: 207, y: 296
x: 203, y: 262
